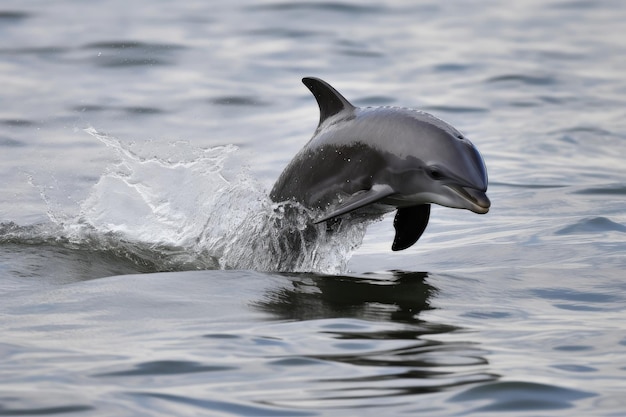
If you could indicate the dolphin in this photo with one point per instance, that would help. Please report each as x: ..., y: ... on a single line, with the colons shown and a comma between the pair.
x: 376, y: 159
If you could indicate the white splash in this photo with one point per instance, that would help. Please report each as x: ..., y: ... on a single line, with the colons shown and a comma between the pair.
x: 201, y: 209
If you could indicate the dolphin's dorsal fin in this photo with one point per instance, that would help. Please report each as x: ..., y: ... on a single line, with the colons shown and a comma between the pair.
x: 329, y: 99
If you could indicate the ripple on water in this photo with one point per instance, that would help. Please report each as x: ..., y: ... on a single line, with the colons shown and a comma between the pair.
x: 568, y: 294
x: 13, y: 15
x: 575, y: 368
x: 592, y: 225
x: 521, y: 396
x: 572, y: 300
x: 166, y: 367
x: 10, y: 143
x: 18, y: 122
x: 44, y: 403
x: 488, y: 314
x: 131, y: 110
x: 342, y: 7
x: 617, y: 189
x: 132, y: 53
x: 525, y: 79
x: 237, y: 101
x: 282, y: 32
x: 213, y: 406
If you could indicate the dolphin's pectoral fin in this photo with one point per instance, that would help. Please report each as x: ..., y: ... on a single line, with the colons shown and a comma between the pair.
x: 356, y: 201
x: 410, y: 223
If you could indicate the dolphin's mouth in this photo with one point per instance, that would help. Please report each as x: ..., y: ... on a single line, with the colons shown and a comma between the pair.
x: 479, y: 202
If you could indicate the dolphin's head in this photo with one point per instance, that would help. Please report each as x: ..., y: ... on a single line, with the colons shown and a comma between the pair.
x: 442, y: 167
x: 458, y: 178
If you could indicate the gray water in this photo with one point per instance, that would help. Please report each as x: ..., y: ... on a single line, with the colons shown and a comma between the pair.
x: 138, y: 141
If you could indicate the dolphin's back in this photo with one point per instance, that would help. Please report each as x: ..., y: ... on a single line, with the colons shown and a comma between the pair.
x: 349, y: 152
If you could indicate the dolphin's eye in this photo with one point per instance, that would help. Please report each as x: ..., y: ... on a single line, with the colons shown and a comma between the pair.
x: 435, y: 173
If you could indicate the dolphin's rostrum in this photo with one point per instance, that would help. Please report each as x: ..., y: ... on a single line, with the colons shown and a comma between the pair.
x: 377, y: 159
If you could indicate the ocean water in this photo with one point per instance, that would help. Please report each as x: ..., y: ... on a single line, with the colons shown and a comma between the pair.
x: 141, y: 270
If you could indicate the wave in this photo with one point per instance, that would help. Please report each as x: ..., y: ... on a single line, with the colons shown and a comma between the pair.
x: 177, y: 207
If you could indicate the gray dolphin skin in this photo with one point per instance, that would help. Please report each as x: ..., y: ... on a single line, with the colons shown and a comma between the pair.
x: 378, y: 159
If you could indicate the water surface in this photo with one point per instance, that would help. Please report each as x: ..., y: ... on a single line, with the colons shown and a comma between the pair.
x: 138, y: 142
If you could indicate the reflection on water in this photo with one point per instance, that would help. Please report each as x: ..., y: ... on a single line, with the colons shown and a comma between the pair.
x: 399, y: 297
x: 374, y: 324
